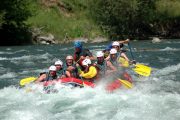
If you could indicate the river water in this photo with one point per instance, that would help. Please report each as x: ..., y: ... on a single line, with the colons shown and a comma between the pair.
x: 152, y: 98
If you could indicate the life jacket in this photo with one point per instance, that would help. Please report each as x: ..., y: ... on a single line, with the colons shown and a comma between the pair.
x: 60, y: 72
x: 114, y: 62
x: 101, y: 68
x: 74, y: 72
x: 90, y: 73
x: 77, y: 55
x: 122, y: 60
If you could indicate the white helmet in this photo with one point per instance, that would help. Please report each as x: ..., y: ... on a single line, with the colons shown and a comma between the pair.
x: 52, y: 68
x: 69, y: 57
x: 99, y: 54
x: 86, y: 62
x: 115, y: 43
x: 113, y: 51
x: 58, y: 62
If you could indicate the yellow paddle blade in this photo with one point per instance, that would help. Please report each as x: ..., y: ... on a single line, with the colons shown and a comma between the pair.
x: 143, y: 66
x: 126, y: 83
x: 124, y: 62
x: 142, y: 70
x: 27, y: 80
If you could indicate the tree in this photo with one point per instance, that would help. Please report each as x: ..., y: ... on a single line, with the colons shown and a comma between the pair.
x: 136, y: 18
x: 13, y: 14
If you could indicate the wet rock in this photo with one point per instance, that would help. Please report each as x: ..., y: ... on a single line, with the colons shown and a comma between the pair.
x: 40, y: 38
x: 99, y: 40
x: 156, y: 40
x: 49, y: 39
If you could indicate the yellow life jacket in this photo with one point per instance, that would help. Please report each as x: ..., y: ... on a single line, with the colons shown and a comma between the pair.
x: 124, y: 62
x: 90, y: 74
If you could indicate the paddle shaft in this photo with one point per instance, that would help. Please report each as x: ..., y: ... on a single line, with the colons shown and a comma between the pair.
x: 145, y: 71
x: 131, y: 51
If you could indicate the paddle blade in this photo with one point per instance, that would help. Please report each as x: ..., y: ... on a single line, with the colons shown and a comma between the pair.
x: 142, y: 70
x: 126, y: 83
x: 27, y: 80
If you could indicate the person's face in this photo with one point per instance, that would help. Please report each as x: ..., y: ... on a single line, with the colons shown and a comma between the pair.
x: 58, y: 67
x: 113, y: 56
x: 77, y: 49
x: 69, y: 62
x: 116, y: 47
x: 100, y: 59
x: 52, y: 73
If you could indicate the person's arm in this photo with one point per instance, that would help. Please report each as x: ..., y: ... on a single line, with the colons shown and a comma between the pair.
x: 107, y: 58
x: 124, y: 41
x: 40, y: 78
x: 88, y: 54
x: 109, y: 64
x: 68, y: 74
x: 124, y: 56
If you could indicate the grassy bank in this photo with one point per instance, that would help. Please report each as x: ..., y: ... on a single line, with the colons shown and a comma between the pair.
x: 170, y: 7
x: 69, y: 19
x: 64, y: 19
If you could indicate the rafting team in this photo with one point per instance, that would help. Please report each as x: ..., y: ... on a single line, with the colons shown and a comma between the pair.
x: 83, y: 65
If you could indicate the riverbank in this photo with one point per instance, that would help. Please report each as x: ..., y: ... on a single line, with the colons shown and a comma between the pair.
x: 63, y: 21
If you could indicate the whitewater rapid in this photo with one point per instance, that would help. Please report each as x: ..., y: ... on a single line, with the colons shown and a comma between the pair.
x: 151, y: 98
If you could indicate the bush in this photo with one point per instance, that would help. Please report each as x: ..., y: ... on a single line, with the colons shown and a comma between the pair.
x: 13, y: 14
x: 135, y: 18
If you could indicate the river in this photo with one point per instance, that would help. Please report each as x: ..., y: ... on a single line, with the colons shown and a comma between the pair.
x: 152, y: 98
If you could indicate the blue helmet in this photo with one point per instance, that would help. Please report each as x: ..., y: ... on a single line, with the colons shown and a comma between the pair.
x: 78, y: 44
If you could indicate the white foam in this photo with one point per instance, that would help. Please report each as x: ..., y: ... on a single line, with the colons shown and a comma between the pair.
x: 27, y: 57
x: 138, y: 103
x: 168, y: 70
x: 14, y: 52
x: 8, y: 75
x: 3, y: 58
x: 169, y: 49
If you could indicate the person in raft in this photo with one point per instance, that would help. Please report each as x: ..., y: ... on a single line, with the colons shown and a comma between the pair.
x: 90, y: 71
x: 101, y: 64
x: 110, y: 46
x: 81, y: 53
x: 59, y: 69
x: 112, y: 63
x: 118, y: 45
x: 114, y: 67
x: 123, y: 59
x: 71, y: 69
x: 47, y: 76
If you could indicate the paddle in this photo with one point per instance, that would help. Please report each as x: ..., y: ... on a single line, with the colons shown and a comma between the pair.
x: 140, y: 68
x: 27, y: 80
x: 126, y: 83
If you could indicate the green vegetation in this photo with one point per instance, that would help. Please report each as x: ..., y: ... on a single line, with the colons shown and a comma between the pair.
x: 64, y: 19
x: 170, y: 7
x: 137, y: 18
x: 13, y: 14
x: 69, y: 19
